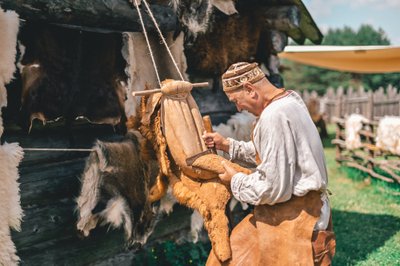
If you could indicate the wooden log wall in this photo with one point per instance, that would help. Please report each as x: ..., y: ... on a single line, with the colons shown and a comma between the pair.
x: 49, y: 183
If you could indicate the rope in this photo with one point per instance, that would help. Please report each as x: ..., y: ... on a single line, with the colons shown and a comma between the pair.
x: 56, y: 149
x: 147, y: 41
x: 162, y: 38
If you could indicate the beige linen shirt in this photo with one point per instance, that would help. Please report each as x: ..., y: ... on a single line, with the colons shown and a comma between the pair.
x: 291, y: 154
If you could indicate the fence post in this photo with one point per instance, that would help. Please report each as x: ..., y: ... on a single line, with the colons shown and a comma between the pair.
x: 370, y: 106
x: 339, y: 102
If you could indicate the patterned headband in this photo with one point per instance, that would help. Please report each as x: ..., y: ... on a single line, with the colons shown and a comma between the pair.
x: 239, y: 73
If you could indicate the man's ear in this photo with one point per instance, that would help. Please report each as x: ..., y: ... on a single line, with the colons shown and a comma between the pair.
x: 248, y: 87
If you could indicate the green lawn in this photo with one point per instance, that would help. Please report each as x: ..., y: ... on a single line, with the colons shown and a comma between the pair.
x: 366, y: 217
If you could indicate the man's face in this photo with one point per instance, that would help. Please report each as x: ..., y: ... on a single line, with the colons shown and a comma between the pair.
x: 242, y: 99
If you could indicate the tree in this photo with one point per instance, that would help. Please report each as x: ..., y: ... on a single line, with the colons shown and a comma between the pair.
x: 301, y: 77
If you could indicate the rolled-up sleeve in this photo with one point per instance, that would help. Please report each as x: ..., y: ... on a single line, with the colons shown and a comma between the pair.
x: 242, y: 152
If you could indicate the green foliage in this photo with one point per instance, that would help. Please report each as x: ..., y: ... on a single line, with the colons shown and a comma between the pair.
x: 302, y: 77
x: 170, y: 253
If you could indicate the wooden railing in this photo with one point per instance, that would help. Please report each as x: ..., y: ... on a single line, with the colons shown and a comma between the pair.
x: 372, y: 105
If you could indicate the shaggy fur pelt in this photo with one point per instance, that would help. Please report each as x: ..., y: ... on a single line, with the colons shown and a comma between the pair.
x: 10, y: 154
x: 10, y: 206
x: 352, y: 128
x: 9, y: 24
x: 68, y: 73
x: 115, y: 190
x: 208, y: 197
x: 388, y: 134
x: 216, y: 49
x: 193, y: 14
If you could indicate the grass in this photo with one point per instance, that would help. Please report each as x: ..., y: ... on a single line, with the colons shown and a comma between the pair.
x: 366, y: 216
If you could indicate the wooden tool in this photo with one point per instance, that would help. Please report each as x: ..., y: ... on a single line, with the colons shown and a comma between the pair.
x: 209, y: 129
x: 147, y: 92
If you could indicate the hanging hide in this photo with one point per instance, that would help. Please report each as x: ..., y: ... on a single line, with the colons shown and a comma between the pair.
x: 11, y: 154
x: 115, y: 190
x: 194, y: 15
x: 231, y: 39
x: 9, y: 24
x: 140, y: 69
x: 70, y: 74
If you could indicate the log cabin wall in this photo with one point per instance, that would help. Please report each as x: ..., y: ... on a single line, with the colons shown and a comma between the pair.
x: 50, y: 180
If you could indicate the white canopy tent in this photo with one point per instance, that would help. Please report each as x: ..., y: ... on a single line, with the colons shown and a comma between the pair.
x: 357, y: 59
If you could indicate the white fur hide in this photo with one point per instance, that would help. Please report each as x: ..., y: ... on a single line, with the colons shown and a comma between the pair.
x: 140, y: 68
x: 10, y: 207
x: 10, y: 153
x: 238, y: 126
x: 194, y: 14
x: 9, y: 24
x: 352, y: 129
x: 388, y: 134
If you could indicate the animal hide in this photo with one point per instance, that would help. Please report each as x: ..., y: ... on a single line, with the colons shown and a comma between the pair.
x: 9, y: 24
x: 239, y: 126
x: 212, y: 52
x: 10, y: 206
x: 115, y: 190
x: 71, y: 74
x: 388, y: 134
x: 140, y: 70
x: 10, y: 154
x: 352, y: 128
x: 193, y: 14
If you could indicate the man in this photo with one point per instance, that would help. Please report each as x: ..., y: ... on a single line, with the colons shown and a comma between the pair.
x: 291, y: 220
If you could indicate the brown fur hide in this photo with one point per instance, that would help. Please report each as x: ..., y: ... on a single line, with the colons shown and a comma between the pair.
x: 68, y: 73
x: 231, y: 39
x: 115, y: 190
x: 208, y: 197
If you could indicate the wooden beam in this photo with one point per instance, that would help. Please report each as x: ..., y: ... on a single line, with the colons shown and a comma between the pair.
x: 285, y: 19
x: 278, y: 41
x: 112, y: 15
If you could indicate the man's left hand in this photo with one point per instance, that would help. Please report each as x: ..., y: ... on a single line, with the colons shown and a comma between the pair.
x: 228, y: 174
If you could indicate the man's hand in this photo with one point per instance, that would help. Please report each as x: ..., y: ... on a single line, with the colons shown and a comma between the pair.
x: 216, y: 140
x: 227, y: 175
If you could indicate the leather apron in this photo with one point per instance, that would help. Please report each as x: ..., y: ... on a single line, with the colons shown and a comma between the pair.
x: 276, y: 235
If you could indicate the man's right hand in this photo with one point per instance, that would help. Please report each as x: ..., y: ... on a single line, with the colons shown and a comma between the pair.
x: 216, y: 140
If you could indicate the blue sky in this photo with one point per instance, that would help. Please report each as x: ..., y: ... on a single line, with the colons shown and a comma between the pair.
x: 383, y: 14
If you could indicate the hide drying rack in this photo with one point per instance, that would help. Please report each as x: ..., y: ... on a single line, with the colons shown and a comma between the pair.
x: 136, y: 3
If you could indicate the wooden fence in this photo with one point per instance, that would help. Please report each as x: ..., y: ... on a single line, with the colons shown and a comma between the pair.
x: 368, y: 158
x: 372, y: 105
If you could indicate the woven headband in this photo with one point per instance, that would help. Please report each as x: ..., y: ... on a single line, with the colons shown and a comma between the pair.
x: 239, y: 73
